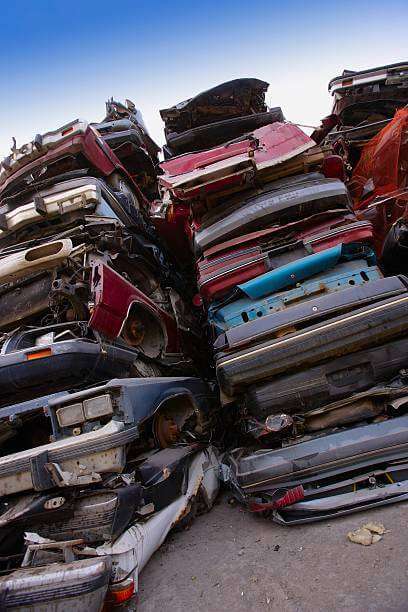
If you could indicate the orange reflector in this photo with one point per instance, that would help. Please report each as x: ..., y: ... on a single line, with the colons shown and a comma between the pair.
x: 347, y: 82
x: 67, y: 131
x: 39, y: 354
x: 118, y: 593
x: 170, y: 214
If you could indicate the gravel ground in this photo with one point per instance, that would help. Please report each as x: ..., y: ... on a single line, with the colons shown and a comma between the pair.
x: 231, y: 560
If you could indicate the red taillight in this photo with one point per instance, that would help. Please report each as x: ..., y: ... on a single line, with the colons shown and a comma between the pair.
x: 67, y: 131
x: 347, y: 82
x: 176, y: 212
x: 170, y: 215
x: 197, y: 300
x: 333, y: 167
x: 290, y: 497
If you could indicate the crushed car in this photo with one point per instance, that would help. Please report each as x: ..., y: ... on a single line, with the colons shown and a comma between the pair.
x: 124, y: 463
x: 105, y: 431
x: 219, y: 114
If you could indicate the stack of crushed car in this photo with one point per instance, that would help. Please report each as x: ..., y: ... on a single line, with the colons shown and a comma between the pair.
x: 246, y: 296
x: 309, y: 336
x: 103, y: 424
x: 368, y: 128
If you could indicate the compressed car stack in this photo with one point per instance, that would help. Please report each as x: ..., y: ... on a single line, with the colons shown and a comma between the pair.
x: 368, y: 128
x: 309, y: 337
x: 104, y: 426
x: 254, y: 255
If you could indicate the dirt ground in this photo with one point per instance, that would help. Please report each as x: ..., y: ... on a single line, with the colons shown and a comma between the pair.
x: 231, y: 560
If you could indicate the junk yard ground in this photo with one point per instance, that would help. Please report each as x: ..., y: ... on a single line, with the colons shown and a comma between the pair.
x: 231, y: 560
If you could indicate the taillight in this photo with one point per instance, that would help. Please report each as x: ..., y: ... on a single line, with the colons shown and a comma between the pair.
x: 174, y: 213
x: 290, y: 497
x: 333, y: 167
x: 120, y: 592
x: 170, y: 214
x: 197, y: 300
x: 67, y: 131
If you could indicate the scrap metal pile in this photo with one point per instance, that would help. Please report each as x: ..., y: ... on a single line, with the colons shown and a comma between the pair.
x: 104, y: 427
x: 236, y: 312
x: 307, y: 311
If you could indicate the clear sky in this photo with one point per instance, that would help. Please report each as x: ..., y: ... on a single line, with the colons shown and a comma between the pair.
x: 62, y: 60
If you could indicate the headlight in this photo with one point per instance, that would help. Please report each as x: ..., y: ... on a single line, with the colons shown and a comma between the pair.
x: 88, y: 410
x: 97, y: 406
x: 70, y: 415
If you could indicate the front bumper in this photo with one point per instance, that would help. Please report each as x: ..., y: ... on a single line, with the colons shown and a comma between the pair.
x: 50, y: 368
x: 80, y: 585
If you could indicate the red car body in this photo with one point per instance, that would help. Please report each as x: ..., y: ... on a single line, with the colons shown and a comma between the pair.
x: 233, y: 164
x: 114, y: 296
x: 379, y: 182
x: 241, y: 259
x: 85, y: 144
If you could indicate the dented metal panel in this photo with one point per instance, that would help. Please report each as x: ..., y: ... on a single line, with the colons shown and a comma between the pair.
x: 244, y: 309
x: 194, y: 174
x: 131, y: 552
x: 303, y: 313
x: 279, y: 203
x: 78, y: 585
x: 363, y: 328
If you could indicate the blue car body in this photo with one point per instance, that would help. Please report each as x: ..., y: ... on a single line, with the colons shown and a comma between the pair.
x: 245, y: 309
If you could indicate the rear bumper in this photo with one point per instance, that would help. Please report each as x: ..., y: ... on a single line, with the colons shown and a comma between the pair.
x: 326, y: 477
x: 329, y: 455
x: 304, y: 313
x: 341, y: 505
x: 342, y: 277
x: 363, y: 328
x: 328, y: 382
x: 283, y: 205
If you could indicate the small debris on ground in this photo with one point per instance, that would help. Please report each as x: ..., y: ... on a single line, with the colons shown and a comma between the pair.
x: 368, y: 534
x: 375, y: 527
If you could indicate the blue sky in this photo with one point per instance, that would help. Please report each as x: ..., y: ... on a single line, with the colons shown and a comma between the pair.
x: 63, y: 60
